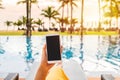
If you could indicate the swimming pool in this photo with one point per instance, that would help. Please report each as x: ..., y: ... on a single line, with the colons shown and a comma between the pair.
x: 94, y: 53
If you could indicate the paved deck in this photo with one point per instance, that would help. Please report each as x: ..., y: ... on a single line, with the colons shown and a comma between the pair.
x: 89, y: 76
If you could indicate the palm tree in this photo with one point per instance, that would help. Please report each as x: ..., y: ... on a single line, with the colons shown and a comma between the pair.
x: 14, y: 24
x: 71, y: 5
x: 118, y: 8
x: 99, y: 22
x: 24, y: 1
x: 50, y: 13
x: 8, y: 23
x: 1, y: 4
x: 74, y: 21
x: 67, y: 2
x: 62, y: 6
x: 19, y: 23
x: 111, y: 9
x: 82, y: 12
x: 117, y: 3
x: 66, y: 21
x: 60, y: 20
x: 28, y: 9
x: 53, y: 26
x: 24, y: 19
x: 39, y: 22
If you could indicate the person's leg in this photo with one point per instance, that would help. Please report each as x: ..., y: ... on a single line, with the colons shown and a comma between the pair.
x: 56, y: 73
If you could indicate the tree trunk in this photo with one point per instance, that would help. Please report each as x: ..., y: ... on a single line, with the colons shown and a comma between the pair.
x: 67, y: 14
x: 62, y: 30
x: 82, y: 11
x: 28, y: 22
x: 110, y: 14
x: 71, y: 26
x: 117, y: 26
x: 62, y: 16
x: 49, y: 22
x: 99, y: 22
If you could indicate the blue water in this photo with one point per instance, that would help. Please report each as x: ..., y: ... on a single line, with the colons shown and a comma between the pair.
x: 94, y: 53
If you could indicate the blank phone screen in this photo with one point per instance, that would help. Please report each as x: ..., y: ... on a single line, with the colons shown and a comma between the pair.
x: 53, y: 48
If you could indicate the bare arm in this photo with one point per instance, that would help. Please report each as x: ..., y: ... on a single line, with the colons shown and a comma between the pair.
x: 44, y: 66
x: 41, y: 73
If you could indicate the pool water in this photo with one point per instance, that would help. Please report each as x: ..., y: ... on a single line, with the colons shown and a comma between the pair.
x: 93, y: 53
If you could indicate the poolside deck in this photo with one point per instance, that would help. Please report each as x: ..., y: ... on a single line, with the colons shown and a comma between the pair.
x: 89, y: 75
x: 96, y: 78
x: 90, y: 78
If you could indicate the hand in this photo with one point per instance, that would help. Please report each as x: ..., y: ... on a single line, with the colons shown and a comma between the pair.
x: 44, y: 66
x: 44, y: 62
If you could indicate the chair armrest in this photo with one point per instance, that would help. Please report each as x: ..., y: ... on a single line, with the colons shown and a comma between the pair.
x: 12, y: 76
x: 107, y: 77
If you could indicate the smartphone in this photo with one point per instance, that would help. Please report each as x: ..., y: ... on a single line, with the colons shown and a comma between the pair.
x: 53, y: 48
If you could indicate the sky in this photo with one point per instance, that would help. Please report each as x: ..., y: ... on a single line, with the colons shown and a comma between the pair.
x: 13, y: 12
x: 10, y: 1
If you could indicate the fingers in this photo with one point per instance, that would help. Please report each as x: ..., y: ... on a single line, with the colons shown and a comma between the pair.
x: 44, y: 47
x: 61, y: 49
x: 44, y: 55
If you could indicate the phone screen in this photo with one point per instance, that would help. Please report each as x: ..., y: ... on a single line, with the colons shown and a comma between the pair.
x: 53, y: 47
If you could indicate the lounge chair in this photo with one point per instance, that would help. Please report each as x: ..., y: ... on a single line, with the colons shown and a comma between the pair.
x: 74, y: 70
x: 107, y: 77
x: 71, y: 68
x: 12, y: 76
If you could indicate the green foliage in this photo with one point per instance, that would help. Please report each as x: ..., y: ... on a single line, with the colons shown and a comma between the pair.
x: 67, y: 21
x: 50, y: 13
x: 74, y: 21
x: 66, y: 2
x: 1, y: 7
x: 8, y: 23
x: 19, y: 23
x: 24, y: 19
x: 38, y: 22
x: 63, y: 20
x: 24, y: 1
x: 110, y: 8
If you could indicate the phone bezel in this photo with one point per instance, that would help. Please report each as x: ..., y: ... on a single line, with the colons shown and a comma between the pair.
x: 52, y: 61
